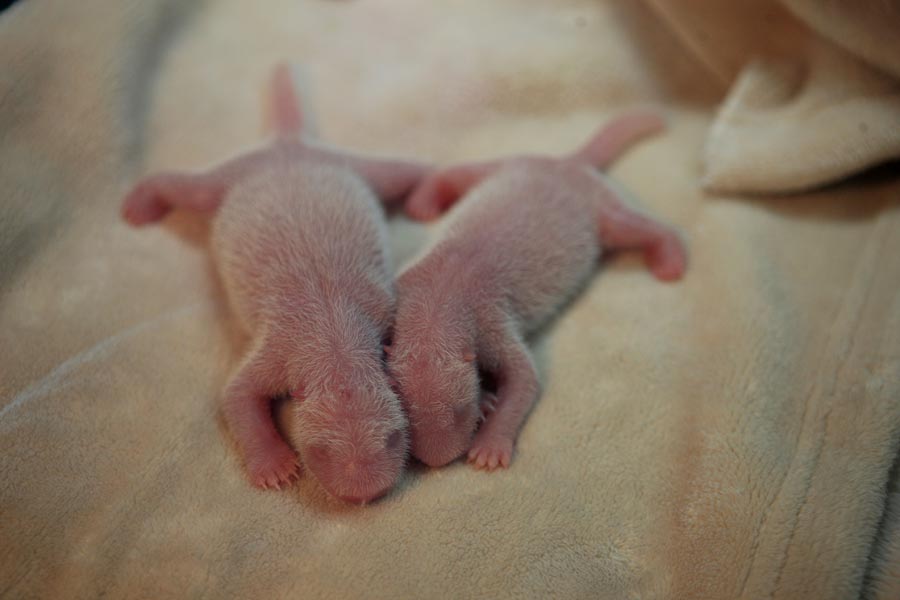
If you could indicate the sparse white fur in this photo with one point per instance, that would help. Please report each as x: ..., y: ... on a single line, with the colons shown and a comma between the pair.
x: 301, y: 250
x: 521, y: 243
x: 299, y: 241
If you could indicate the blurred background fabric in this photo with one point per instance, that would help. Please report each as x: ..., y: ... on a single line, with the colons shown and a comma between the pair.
x: 814, y: 88
x: 734, y: 435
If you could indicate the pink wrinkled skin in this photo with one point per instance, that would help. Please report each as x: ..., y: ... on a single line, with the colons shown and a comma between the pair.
x: 300, y: 244
x: 524, y: 239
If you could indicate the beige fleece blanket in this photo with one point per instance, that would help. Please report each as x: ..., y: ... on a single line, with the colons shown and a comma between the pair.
x: 815, y: 88
x: 730, y: 436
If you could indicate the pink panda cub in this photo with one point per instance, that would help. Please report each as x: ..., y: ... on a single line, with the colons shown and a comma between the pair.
x: 525, y: 238
x: 299, y: 241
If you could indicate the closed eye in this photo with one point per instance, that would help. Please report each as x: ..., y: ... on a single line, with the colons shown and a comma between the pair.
x: 393, y: 440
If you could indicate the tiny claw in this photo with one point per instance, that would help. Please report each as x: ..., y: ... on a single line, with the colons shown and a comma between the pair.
x: 487, y: 409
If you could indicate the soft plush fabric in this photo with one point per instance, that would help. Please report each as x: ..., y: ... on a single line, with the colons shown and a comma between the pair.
x: 815, y: 88
x: 733, y: 435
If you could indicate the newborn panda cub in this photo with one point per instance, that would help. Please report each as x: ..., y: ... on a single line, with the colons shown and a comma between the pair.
x: 299, y: 241
x: 525, y: 238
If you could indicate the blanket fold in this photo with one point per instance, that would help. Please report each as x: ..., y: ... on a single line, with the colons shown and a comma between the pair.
x: 815, y: 89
